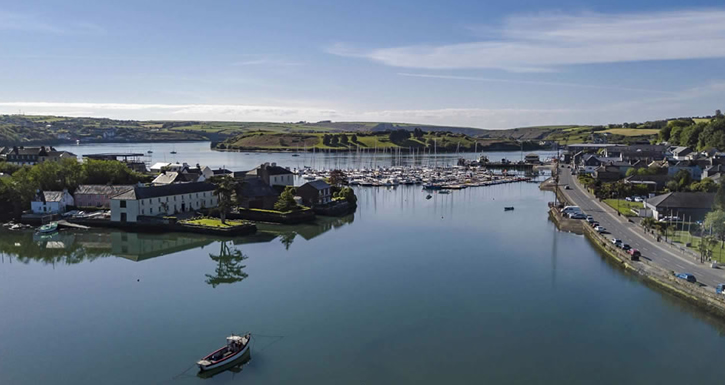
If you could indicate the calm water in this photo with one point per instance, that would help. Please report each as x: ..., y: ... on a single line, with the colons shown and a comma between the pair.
x: 199, y: 152
x: 406, y: 290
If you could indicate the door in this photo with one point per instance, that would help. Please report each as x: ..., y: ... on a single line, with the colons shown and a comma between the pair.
x: 123, y: 217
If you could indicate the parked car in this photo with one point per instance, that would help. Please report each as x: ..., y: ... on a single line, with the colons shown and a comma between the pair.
x: 669, y: 219
x: 616, y: 240
x: 626, y: 247
x: 590, y: 219
x: 687, y: 277
x: 594, y: 224
x: 635, y: 254
x: 577, y: 216
x: 628, y: 199
x: 600, y: 229
x: 720, y: 288
x: 638, y: 199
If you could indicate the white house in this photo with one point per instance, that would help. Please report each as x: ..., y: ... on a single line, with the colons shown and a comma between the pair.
x: 162, y: 200
x: 51, y: 202
x: 272, y: 174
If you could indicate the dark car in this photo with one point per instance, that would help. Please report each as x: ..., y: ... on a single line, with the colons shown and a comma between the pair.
x: 720, y: 289
x: 634, y: 254
x: 626, y: 247
x: 594, y: 224
x: 687, y: 277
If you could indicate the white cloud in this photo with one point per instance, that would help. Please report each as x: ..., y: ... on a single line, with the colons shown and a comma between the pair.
x: 267, y: 60
x: 542, y: 42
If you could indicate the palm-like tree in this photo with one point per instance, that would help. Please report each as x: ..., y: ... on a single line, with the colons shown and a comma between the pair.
x: 229, y: 266
x: 225, y: 188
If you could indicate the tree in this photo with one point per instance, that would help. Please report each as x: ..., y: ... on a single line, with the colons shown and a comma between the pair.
x: 399, y: 135
x: 337, y: 178
x: 286, y: 200
x: 334, y: 140
x: 715, y: 220
x: 343, y: 139
x: 718, y: 114
x: 705, y: 247
x: 225, y: 187
x: 719, y: 201
x: 326, y: 139
x: 705, y: 185
x: 418, y: 133
x: 349, y: 195
x: 353, y: 138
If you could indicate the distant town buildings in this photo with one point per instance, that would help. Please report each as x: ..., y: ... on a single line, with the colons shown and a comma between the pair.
x: 34, y: 155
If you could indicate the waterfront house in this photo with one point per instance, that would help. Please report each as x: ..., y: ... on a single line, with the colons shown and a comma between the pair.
x: 685, y: 205
x: 34, y: 155
x: 93, y: 195
x: 532, y: 158
x: 316, y: 192
x: 51, y: 202
x: 256, y: 194
x: 148, y: 201
x: 272, y: 174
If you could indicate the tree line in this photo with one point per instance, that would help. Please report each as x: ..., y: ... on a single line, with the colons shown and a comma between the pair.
x: 698, y: 136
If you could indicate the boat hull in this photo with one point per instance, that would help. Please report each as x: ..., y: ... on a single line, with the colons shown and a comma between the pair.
x: 226, y: 361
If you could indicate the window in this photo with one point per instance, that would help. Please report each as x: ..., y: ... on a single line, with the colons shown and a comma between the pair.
x: 142, y: 212
x: 123, y: 204
x: 151, y: 210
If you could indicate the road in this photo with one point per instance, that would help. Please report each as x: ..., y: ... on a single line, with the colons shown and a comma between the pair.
x: 618, y: 227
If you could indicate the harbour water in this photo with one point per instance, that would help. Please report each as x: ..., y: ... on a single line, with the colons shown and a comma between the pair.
x: 406, y: 290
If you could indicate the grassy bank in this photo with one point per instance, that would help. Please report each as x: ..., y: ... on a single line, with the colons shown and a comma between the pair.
x: 624, y: 207
x: 212, y: 222
x: 683, y: 237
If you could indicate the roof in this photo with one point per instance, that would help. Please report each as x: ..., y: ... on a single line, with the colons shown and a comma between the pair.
x: 257, y: 188
x: 167, y: 177
x: 160, y: 165
x: 683, y: 200
x: 53, y: 196
x: 165, y: 190
x: 681, y: 150
x: 273, y: 169
x: 221, y: 171
x: 317, y: 184
x: 100, y: 189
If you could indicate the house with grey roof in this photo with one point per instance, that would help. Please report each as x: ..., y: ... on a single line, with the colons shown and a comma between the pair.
x: 51, y: 202
x: 684, y: 205
x: 272, y: 174
x: 316, y: 192
x: 256, y: 194
x: 93, y: 195
x: 170, y: 199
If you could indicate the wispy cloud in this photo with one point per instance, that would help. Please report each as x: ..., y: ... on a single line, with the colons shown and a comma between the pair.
x: 533, y: 82
x: 545, y: 41
x: 10, y: 21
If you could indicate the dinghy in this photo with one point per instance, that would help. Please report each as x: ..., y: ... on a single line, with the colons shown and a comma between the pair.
x: 235, y: 348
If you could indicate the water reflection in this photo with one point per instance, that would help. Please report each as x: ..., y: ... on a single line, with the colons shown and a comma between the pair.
x: 229, y: 267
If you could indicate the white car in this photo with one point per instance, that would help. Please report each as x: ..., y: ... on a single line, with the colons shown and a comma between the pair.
x: 628, y: 199
x: 600, y: 229
x: 638, y: 199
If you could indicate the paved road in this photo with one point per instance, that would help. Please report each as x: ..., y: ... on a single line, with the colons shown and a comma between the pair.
x: 618, y: 227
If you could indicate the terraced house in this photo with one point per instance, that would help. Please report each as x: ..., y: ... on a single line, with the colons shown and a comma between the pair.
x: 34, y: 155
x: 151, y: 201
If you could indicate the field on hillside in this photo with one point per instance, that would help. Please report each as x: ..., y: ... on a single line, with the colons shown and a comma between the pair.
x: 633, y: 131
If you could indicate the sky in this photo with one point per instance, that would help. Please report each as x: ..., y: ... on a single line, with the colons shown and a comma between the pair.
x: 485, y: 64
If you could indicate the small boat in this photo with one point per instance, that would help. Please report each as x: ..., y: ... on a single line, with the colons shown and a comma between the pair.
x: 429, y: 196
x: 149, y: 152
x: 295, y: 154
x: 444, y: 192
x: 49, y: 228
x: 235, y: 348
x: 509, y: 208
x: 173, y: 152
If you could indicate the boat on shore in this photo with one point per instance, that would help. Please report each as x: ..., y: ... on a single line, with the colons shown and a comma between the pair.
x: 236, y: 348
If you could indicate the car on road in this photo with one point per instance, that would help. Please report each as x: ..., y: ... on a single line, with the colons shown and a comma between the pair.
x: 600, y: 229
x: 594, y: 224
x: 634, y: 254
x: 687, y: 277
x: 590, y: 219
x: 566, y: 187
x: 616, y: 240
x: 720, y: 289
x: 577, y: 216
x: 626, y: 247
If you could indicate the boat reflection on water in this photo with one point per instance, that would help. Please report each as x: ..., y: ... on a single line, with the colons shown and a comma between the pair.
x: 234, y: 367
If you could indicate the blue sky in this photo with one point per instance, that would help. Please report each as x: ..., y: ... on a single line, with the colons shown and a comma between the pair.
x: 487, y: 64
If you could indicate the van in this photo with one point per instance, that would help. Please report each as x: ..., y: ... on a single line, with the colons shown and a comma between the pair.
x: 571, y: 209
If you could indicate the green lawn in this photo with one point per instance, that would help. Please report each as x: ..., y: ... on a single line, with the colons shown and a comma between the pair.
x: 212, y: 222
x: 632, y: 131
x: 624, y: 206
x: 683, y: 237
